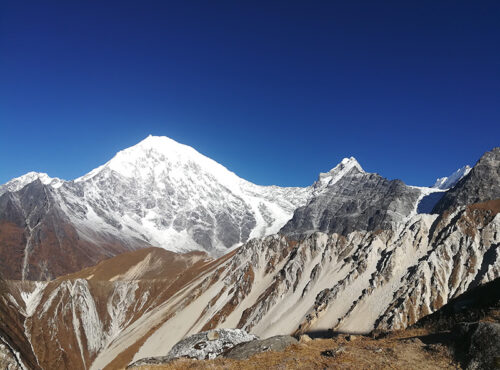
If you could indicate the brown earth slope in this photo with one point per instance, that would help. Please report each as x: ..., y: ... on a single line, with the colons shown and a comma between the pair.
x: 12, y: 335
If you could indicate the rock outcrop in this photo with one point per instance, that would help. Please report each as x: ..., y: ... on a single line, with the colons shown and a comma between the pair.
x: 480, y: 343
x: 248, y: 349
x: 202, y: 346
x: 358, y: 201
x: 481, y: 184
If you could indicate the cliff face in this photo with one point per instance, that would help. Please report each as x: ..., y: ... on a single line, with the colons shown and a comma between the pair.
x: 359, y: 201
x: 480, y: 185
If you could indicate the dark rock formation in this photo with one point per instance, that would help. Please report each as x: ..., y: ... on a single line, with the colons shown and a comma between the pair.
x: 480, y: 185
x: 248, y: 349
x: 480, y: 342
x: 358, y: 201
x: 475, y: 304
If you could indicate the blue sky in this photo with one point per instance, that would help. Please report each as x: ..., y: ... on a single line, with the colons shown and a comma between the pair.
x: 275, y: 91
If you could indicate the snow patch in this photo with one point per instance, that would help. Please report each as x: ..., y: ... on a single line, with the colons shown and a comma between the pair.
x: 32, y: 299
x: 450, y: 181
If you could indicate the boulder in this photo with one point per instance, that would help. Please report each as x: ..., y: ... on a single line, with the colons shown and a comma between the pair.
x: 246, y: 350
x: 201, y: 346
x: 480, y: 343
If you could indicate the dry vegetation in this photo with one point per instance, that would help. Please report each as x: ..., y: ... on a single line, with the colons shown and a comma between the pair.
x: 411, y: 349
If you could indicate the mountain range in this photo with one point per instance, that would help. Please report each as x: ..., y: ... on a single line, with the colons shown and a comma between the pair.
x: 165, y: 194
x: 162, y: 242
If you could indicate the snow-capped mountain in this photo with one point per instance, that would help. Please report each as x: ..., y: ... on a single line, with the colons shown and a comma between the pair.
x: 156, y: 193
x: 335, y: 174
x: 166, y: 194
x: 20, y: 182
x: 171, y: 196
x: 450, y: 181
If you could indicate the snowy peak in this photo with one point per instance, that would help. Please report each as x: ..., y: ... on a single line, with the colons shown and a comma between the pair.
x: 335, y: 174
x: 20, y: 182
x: 159, y: 157
x: 450, y: 181
x: 170, y: 195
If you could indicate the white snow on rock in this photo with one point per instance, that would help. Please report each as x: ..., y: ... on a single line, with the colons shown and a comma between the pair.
x: 209, y: 344
x: 166, y: 194
x: 335, y: 174
x: 18, y: 183
x: 171, y: 196
x: 32, y: 298
x: 450, y: 181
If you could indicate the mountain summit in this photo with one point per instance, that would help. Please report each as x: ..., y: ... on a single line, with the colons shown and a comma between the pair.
x: 335, y: 174
x: 450, y: 181
x: 156, y: 193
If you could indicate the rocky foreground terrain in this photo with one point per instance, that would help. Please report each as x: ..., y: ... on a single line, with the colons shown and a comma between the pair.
x: 465, y: 333
x: 354, y: 253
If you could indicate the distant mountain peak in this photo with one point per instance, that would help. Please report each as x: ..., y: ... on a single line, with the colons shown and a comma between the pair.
x: 450, y: 181
x: 336, y: 173
x: 161, y: 143
x: 20, y: 182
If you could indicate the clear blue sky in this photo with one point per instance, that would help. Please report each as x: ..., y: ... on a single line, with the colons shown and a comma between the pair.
x: 275, y: 91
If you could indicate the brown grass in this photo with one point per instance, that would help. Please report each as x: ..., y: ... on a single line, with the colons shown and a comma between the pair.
x: 397, y: 351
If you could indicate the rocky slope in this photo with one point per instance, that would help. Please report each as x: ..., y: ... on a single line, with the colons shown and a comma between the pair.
x: 15, y: 348
x: 357, y: 201
x: 38, y: 241
x: 69, y: 320
x: 479, y: 185
x: 275, y: 285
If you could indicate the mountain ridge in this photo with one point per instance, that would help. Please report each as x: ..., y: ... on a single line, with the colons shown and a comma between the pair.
x: 155, y: 193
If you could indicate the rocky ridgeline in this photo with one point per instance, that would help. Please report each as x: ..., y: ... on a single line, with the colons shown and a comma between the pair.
x: 481, y: 184
x: 358, y: 201
x: 156, y: 193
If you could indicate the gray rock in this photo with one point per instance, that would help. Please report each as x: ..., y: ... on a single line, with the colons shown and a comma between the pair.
x: 210, y: 344
x: 246, y: 350
x: 480, y: 185
x: 333, y: 352
x: 160, y: 360
x: 201, y: 346
x: 480, y: 342
x: 8, y: 360
x: 358, y: 201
